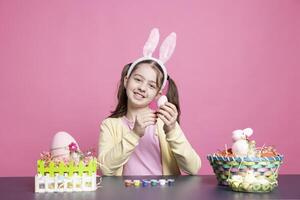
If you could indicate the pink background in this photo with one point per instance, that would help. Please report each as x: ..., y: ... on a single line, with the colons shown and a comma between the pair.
x: 236, y: 65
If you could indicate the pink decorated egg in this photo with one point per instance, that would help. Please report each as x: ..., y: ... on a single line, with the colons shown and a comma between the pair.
x: 162, y: 100
x: 60, y: 145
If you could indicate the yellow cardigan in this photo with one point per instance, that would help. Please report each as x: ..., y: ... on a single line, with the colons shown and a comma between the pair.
x: 117, y: 142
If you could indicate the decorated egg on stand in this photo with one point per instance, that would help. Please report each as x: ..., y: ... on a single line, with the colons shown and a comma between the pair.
x: 60, y: 149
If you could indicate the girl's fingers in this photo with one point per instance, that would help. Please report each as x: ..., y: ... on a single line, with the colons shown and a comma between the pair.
x: 171, y: 106
x: 149, y: 123
x: 166, y: 114
x: 150, y: 115
x: 163, y: 118
x: 167, y: 108
x: 145, y: 121
x: 153, y: 119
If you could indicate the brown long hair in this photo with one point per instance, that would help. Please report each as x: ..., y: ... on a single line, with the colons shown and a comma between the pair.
x: 172, y: 92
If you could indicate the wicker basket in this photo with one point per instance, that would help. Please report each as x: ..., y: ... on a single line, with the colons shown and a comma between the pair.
x: 225, y: 167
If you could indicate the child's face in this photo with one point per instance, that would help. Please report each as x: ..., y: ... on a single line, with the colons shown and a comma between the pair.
x: 141, y: 86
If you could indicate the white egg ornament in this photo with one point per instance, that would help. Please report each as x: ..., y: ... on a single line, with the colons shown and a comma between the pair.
x: 162, y: 101
x: 60, y: 145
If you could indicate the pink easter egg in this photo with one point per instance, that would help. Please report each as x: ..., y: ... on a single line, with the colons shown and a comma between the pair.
x: 60, y: 145
x: 162, y: 100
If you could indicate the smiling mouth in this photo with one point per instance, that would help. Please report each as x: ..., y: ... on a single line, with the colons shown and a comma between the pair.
x: 138, y: 95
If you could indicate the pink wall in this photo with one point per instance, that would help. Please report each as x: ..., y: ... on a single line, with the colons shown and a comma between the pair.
x: 236, y: 65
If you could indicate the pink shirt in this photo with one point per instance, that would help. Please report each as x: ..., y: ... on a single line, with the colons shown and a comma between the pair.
x: 146, y: 157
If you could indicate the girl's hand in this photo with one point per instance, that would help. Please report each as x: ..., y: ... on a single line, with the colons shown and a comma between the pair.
x: 143, y: 120
x: 168, y: 114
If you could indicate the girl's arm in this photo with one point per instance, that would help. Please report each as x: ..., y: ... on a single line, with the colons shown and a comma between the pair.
x: 114, y: 150
x: 186, y: 157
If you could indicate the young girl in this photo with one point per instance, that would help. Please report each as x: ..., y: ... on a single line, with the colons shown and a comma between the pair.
x: 136, y: 140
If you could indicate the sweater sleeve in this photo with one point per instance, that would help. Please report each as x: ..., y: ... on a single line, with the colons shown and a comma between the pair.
x: 113, y: 152
x: 186, y: 157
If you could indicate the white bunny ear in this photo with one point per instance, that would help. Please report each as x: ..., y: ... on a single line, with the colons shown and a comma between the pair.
x: 248, y: 132
x: 151, y: 43
x: 167, y: 48
x: 237, y: 135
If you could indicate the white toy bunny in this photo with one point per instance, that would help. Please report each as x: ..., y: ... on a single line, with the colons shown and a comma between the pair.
x: 241, y: 146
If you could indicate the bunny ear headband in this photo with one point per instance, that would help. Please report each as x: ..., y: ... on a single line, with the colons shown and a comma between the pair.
x: 165, y: 52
